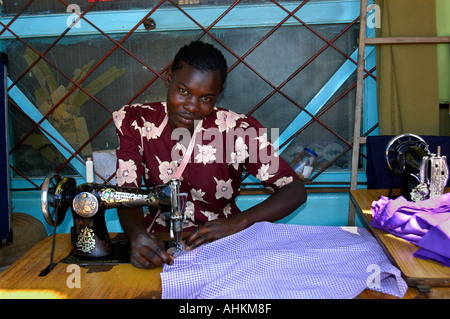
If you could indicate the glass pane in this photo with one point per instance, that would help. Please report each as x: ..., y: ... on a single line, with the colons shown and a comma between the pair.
x: 36, y: 156
x: 329, y: 143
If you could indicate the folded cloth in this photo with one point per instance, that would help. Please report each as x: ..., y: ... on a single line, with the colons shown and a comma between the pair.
x: 425, y: 223
x: 274, y: 261
x: 435, y: 244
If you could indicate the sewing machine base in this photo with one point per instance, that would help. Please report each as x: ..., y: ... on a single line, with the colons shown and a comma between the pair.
x: 120, y: 254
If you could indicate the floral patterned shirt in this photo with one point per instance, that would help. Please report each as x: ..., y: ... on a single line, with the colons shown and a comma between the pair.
x: 226, y: 145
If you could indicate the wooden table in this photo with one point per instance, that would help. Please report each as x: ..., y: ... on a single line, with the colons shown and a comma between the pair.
x: 427, y: 275
x: 106, y: 281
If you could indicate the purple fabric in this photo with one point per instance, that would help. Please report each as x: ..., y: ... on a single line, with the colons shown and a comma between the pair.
x: 425, y: 223
x: 435, y: 244
x: 270, y: 260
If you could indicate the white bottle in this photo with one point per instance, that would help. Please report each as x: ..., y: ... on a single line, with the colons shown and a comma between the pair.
x: 89, y: 170
x: 304, y: 163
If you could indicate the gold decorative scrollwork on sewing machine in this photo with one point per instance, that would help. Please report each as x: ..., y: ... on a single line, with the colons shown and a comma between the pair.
x: 89, y: 201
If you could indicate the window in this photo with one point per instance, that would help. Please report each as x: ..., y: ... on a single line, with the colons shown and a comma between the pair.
x: 294, y: 73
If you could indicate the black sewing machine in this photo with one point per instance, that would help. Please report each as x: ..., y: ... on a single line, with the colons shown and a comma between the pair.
x: 89, y: 201
x: 423, y: 174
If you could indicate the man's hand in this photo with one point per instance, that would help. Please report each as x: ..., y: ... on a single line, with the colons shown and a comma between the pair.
x: 147, y: 251
x: 277, y: 206
x: 215, y: 229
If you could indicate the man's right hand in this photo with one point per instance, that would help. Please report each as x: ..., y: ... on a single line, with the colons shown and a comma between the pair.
x: 147, y: 251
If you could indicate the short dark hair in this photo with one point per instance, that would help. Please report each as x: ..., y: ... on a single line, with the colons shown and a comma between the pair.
x: 201, y: 56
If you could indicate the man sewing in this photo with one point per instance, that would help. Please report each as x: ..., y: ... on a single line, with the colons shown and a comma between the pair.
x: 208, y: 147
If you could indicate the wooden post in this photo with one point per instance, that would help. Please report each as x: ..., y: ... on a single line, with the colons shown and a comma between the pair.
x: 358, y: 106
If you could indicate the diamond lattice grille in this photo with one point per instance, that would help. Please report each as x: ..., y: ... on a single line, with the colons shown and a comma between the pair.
x: 64, y: 87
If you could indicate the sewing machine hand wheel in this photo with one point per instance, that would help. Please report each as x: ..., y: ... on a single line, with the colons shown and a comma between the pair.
x: 54, y: 198
x: 395, y: 147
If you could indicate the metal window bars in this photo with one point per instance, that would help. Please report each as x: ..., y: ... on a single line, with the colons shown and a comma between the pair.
x: 74, y: 155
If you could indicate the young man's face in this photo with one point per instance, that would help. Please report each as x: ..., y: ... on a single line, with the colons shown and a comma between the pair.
x: 192, y: 95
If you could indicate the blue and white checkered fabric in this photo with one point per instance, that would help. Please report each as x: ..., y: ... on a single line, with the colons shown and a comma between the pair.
x: 273, y: 261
